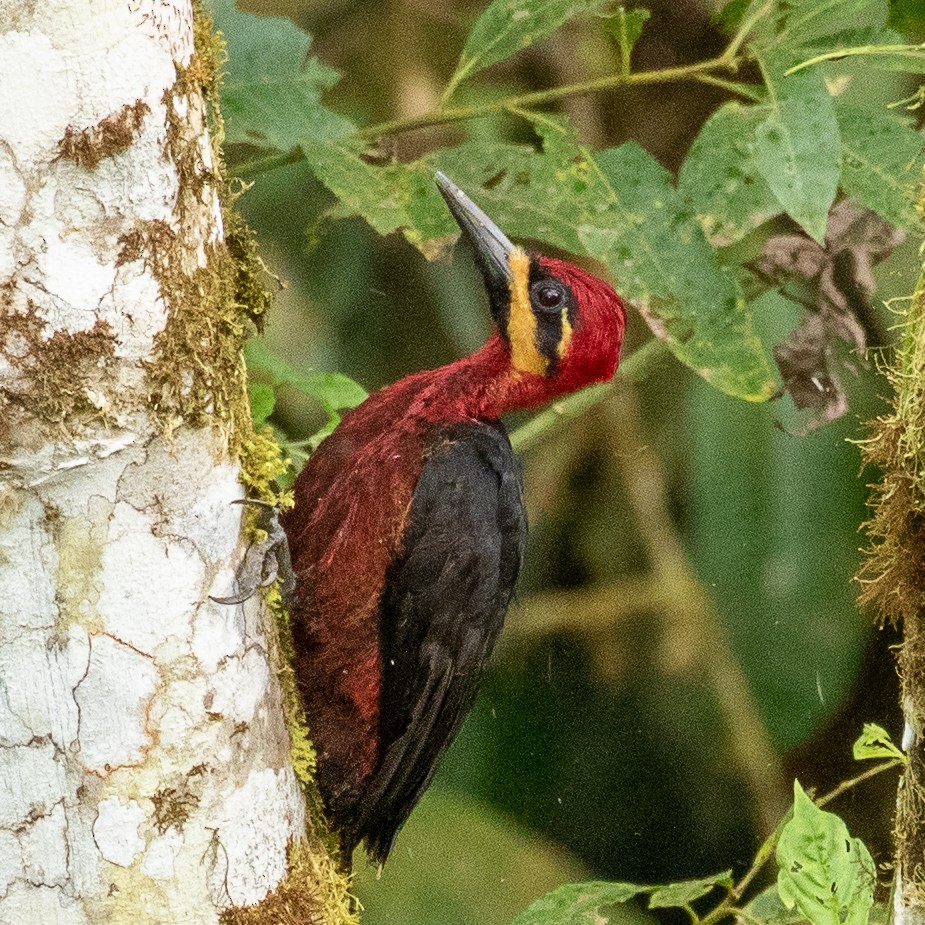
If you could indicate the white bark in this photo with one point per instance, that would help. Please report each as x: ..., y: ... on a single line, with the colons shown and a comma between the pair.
x: 145, y: 773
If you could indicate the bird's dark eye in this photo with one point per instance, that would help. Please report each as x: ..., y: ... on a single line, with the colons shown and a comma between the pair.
x: 548, y: 296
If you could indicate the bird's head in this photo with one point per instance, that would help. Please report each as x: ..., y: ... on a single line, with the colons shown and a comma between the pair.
x: 561, y: 323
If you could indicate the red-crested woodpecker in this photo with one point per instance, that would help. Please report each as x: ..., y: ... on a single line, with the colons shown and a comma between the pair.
x: 408, y: 532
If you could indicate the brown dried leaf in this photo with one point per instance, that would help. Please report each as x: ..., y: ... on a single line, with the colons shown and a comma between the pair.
x: 835, y: 283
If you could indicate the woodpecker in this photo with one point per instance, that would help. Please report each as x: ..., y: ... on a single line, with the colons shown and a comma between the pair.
x: 408, y: 532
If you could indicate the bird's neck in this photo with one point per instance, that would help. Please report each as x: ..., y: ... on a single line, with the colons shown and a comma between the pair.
x: 482, y: 386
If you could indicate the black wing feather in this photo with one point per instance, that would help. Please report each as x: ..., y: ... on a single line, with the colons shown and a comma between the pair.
x: 443, y: 606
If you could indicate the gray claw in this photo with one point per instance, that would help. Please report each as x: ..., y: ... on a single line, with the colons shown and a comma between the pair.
x: 264, y: 561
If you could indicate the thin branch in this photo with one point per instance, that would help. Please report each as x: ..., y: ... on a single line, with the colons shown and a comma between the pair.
x: 729, y: 56
x: 441, y: 116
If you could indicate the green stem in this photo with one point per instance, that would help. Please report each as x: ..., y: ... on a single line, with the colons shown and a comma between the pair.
x: 749, y: 91
x: 441, y: 116
x: 637, y: 365
x: 916, y: 52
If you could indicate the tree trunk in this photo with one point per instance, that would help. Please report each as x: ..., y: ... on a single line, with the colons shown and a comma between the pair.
x: 145, y: 767
x: 893, y: 579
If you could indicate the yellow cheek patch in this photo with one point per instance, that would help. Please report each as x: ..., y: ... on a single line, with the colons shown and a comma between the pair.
x: 521, y: 322
x: 566, y: 338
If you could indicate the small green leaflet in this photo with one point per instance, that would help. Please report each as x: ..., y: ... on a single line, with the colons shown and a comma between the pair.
x: 798, y: 145
x: 875, y: 742
x: 271, y: 95
x: 882, y: 161
x: 578, y: 904
x: 506, y: 26
x: 626, y: 27
x: 720, y: 178
x: 685, y: 892
x: 824, y: 872
x: 263, y: 400
x: 335, y: 391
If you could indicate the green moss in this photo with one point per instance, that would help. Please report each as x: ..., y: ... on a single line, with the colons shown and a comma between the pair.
x: 893, y: 576
x: 313, y: 893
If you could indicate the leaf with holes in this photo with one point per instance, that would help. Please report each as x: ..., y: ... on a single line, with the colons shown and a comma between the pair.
x: 720, y: 177
x: 798, y: 145
x: 824, y: 872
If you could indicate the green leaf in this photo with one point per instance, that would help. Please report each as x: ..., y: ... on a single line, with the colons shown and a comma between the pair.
x: 262, y: 399
x: 388, y: 196
x: 882, y: 161
x: 875, y: 742
x: 801, y: 23
x: 685, y: 892
x: 335, y: 391
x: 798, y: 145
x: 626, y: 27
x: 507, y: 26
x: 828, y: 875
x: 768, y: 907
x: 271, y: 95
x: 720, y: 178
x: 578, y: 904
x: 659, y: 255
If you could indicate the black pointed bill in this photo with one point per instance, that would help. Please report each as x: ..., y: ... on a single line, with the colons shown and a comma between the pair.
x: 492, y: 247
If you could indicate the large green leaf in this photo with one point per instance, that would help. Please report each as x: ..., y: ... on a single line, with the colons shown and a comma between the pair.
x: 271, y: 94
x: 798, y: 144
x: 882, y: 161
x: 579, y: 904
x: 720, y: 177
x: 507, y: 26
x: 824, y: 872
x: 658, y: 253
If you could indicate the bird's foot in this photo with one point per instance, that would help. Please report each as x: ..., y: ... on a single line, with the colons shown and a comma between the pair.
x: 264, y: 560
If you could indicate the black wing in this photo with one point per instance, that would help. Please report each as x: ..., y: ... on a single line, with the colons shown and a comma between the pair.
x: 444, y: 603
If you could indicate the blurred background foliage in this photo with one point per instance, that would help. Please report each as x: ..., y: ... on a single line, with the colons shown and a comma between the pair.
x: 686, y: 638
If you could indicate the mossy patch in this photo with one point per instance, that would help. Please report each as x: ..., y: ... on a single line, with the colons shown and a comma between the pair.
x: 88, y: 146
x: 61, y: 375
x: 893, y: 576
x: 314, y: 892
